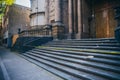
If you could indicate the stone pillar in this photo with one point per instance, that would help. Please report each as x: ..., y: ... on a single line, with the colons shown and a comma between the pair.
x: 47, y: 12
x: 79, y: 19
x: 75, y: 16
x: 74, y: 19
x: 70, y: 18
x: 47, y: 27
x: 57, y: 10
x: 58, y: 28
x: 117, y: 17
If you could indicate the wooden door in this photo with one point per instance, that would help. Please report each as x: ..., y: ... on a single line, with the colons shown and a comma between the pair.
x: 112, y: 22
x: 101, y: 24
x: 104, y: 21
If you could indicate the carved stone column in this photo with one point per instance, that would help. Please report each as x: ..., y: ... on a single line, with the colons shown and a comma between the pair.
x: 79, y: 19
x: 75, y: 17
x: 70, y: 18
x: 58, y: 27
x: 117, y: 17
x: 46, y: 12
x: 58, y: 10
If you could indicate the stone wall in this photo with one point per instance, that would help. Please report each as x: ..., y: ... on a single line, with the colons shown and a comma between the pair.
x: 18, y: 18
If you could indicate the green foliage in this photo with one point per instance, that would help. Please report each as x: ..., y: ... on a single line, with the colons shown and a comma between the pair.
x: 7, y: 2
x: 3, y: 4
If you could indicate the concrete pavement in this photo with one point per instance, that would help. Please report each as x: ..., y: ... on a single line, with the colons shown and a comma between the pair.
x: 1, y: 72
x: 18, y: 68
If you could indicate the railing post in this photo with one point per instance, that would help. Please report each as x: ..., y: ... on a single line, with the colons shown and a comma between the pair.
x: 48, y: 29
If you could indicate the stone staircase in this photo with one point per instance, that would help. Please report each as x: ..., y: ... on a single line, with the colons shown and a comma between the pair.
x: 86, y: 59
x: 104, y: 44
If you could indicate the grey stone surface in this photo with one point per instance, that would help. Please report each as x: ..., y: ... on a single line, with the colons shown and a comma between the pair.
x: 1, y: 72
x: 20, y: 69
x: 20, y: 19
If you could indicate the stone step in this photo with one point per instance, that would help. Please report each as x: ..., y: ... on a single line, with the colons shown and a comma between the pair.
x: 67, y: 41
x: 87, y: 47
x: 87, y: 69
x: 81, y: 53
x: 91, y: 39
x: 81, y: 62
x: 85, y: 44
x: 93, y: 59
x: 63, y: 69
x: 113, y: 52
x: 71, y: 71
x: 51, y: 69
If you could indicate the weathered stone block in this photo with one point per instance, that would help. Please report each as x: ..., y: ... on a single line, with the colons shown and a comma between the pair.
x: 58, y: 31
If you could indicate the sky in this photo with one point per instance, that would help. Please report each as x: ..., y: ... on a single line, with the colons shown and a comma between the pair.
x: 23, y: 2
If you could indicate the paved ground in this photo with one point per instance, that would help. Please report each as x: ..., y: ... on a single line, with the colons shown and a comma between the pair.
x: 1, y: 72
x: 17, y: 68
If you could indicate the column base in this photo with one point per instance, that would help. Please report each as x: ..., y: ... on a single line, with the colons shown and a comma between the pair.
x: 71, y: 36
x: 74, y: 36
x: 78, y: 36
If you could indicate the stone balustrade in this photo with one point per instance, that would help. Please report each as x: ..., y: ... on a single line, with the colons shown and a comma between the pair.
x: 43, y: 32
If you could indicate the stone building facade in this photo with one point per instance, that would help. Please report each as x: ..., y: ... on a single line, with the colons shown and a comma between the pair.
x: 75, y: 19
x: 37, y: 15
x: 16, y: 19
